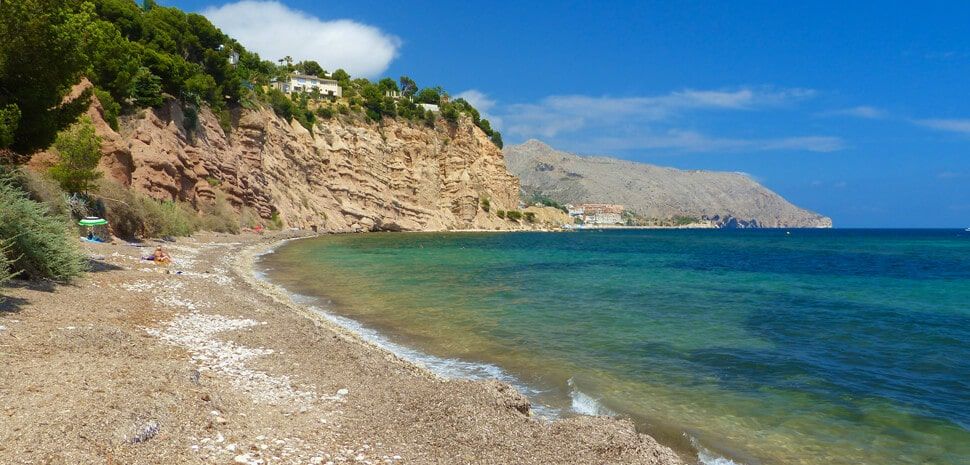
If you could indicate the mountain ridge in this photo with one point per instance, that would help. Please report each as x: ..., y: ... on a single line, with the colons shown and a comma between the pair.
x: 654, y: 192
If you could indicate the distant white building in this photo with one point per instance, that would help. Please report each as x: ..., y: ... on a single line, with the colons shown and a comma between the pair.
x: 430, y: 106
x: 306, y: 83
x: 233, y: 57
x: 574, y: 211
x: 601, y: 213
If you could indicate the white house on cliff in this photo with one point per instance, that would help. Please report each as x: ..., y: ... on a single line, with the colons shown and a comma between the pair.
x: 306, y: 83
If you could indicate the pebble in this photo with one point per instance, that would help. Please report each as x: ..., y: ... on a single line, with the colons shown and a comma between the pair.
x: 343, y: 392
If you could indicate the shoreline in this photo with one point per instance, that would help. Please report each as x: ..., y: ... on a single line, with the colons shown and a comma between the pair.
x: 580, y: 404
x: 203, y: 362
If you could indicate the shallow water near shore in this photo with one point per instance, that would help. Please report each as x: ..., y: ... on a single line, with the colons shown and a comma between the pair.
x: 822, y: 346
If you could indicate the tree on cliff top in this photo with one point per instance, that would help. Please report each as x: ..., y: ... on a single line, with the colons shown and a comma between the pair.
x: 39, y: 62
x: 79, y: 149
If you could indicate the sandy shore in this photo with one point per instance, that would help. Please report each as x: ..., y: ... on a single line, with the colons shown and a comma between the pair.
x: 200, y: 362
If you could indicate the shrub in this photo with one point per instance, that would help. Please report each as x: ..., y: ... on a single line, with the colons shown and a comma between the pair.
x: 219, y: 216
x: 9, y: 121
x: 275, y: 221
x: 166, y: 218
x: 146, y: 88
x: 513, y: 215
x: 6, y: 271
x: 486, y: 204
x: 325, y: 112
x: 500, y: 213
x: 225, y: 120
x: 133, y: 215
x: 41, y: 188
x: 248, y: 218
x: 530, y: 217
x: 79, y: 149
x: 36, y: 243
x: 111, y: 107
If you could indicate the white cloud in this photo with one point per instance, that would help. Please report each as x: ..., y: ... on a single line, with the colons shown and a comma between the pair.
x: 564, y: 113
x: 606, y: 124
x: 961, y: 126
x: 478, y: 99
x: 692, y: 141
x: 274, y: 31
x: 862, y: 111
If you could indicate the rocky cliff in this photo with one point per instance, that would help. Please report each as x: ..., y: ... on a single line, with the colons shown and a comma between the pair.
x: 347, y: 174
x: 725, y: 199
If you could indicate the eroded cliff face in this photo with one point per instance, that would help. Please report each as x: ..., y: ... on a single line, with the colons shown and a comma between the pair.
x: 347, y: 175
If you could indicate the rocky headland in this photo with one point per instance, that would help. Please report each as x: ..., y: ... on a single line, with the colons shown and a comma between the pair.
x: 722, y: 199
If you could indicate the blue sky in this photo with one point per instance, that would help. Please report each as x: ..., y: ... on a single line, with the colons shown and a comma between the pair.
x: 859, y: 112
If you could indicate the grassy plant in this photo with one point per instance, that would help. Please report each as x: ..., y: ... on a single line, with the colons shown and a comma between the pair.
x: 486, y: 204
x: 276, y: 222
x: 36, y: 242
x: 133, y: 215
x: 530, y: 217
x: 513, y: 215
x: 219, y: 216
x: 500, y: 213
x: 41, y: 188
x: 248, y: 218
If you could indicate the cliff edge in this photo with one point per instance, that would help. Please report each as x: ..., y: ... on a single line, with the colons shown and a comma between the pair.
x: 348, y: 174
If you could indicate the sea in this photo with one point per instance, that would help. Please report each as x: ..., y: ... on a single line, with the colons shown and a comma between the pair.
x: 798, y: 346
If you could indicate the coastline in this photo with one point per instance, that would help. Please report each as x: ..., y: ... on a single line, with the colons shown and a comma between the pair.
x: 209, y: 364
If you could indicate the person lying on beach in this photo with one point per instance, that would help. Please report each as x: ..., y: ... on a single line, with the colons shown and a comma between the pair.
x: 159, y: 256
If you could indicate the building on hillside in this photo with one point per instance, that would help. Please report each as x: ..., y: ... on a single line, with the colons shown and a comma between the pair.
x: 233, y: 57
x: 430, y: 106
x: 574, y: 211
x: 602, y: 213
x: 306, y: 83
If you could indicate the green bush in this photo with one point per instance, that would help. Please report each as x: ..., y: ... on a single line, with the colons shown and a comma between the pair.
x: 111, y: 107
x: 134, y: 215
x: 486, y: 204
x: 9, y: 121
x: 530, y: 217
x: 37, y: 243
x: 147, y: 89
x: 325, y: 112
x: 5, y: 266
x: 500, y: 213
x: 225, y: 120
x: 276, y: 222
x: 79, y: 149
x: 513, y: 215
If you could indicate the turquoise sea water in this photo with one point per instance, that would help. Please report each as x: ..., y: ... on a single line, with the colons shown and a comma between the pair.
x: 822, y: 346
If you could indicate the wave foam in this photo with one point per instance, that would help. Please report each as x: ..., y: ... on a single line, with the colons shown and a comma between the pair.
x: 706, y: 457
x: 444, y: 367
x: 584, y: 404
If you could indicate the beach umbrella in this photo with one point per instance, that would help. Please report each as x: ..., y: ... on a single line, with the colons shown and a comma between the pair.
x: 91, y: 221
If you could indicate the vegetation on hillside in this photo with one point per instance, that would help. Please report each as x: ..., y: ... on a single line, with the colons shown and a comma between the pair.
x: 136, y: 55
